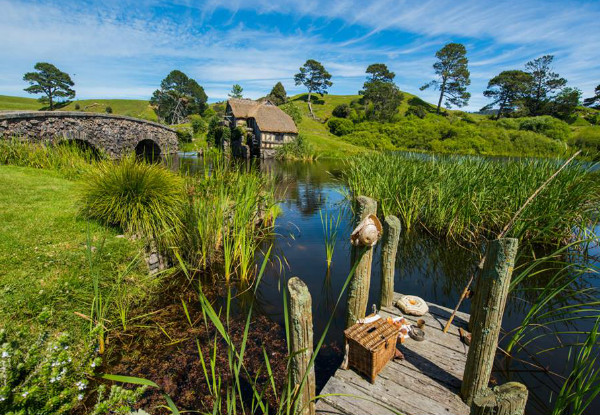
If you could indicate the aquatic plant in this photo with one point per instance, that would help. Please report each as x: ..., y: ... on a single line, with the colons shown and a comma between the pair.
x: 471, y: 198
x: 299, y: 149
x: 330, y: 224
x: 143, y: 199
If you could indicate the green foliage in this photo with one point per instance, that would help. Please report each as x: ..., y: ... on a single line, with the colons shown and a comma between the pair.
x: 41, y: 377
x: 342, y: 111
x: 544, y: 82
x: 588, y: 139
x: 67, y: 158
x: 278, y: 95
x: 507, y: 90
x: 453, y: 76
x: 77, y: 107
x: 177, y: 98
x: 184, y: 133
x: 418, y: 111
x: 199, y: 125
x: 293, y: 111
x: 142, y: 199
x: 218, y: 134
x: 51, y: 82
x: 594, y: 101
x: 381, y: 93
x: 298, y: 149
x: 236, y: 92
x: 340, y: 126
x: 108, y: 110
x: 565, y: 103
x: 117, y: 401
x: 468, y: 198
x: 549, y: 126
x: 314, y: 77
x: 238, y: 134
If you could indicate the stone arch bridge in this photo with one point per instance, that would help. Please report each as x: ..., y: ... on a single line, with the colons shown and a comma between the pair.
x: 114, y: 134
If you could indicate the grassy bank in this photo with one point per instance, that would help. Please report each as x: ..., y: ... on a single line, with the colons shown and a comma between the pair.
x: 48, y: 258
x: 468, y: 198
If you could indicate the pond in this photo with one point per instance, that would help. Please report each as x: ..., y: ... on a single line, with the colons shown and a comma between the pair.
x: 436, y: 270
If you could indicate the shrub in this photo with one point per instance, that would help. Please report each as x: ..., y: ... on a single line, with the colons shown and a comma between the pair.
x: 293, y: 111
x: 299, y: 149
x: 417, y: 111
x: 238, y: 134
x: 143, y: 199
x: 199, y: 126
x: 370, y: 139
x: 77, y: 106
x: 342, y: 111
x: 547, y: 125
x: 108, y: 110
x: 340, y: 126
x: 184, y: 133
x: 588, y: 139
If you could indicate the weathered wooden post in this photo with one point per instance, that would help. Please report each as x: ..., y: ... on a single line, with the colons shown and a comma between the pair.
x: 507, y: 399
x: 492, y: 291
x: 389, y: 249
x: 358, y: 291
x: 301, y: 335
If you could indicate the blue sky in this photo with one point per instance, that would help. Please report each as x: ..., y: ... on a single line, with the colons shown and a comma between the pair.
x: 122, y: 49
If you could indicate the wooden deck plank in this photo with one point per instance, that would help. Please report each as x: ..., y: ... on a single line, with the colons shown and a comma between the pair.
x: 426, y: 382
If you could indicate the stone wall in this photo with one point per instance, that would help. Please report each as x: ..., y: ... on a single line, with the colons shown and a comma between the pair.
x: 115, y: 134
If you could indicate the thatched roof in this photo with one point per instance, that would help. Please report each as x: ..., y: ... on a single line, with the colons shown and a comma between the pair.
x: 269, y: 117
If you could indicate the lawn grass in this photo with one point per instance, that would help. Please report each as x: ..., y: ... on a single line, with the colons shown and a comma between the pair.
x: 136, y: 108
x: 44, y: 273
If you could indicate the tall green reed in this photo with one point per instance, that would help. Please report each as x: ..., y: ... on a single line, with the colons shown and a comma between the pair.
x: 330, y: 224
x: 472, y: 198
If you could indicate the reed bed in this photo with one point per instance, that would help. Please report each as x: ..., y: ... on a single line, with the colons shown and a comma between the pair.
x: 470, y: 198
x: 227, y: 214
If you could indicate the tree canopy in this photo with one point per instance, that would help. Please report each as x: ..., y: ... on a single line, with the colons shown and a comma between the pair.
x: 314, y: 77
x: 594, y: 101
x: 50, y: 81
x: 236, y: 91
x: 507, y: 91
x: 544, y: 82
x: 178, y: 97
x: 278, y: 95
x: 453, y: 75
x: 381, y: 92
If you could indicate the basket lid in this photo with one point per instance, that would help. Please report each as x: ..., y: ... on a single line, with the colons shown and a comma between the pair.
x: 371, y: 335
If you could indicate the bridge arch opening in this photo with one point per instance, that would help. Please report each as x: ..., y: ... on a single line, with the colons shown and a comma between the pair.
x: 85, y: 146
x: 148, y: 150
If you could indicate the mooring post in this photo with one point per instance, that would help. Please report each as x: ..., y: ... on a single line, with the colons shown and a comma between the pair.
x: 492, y: 291
x: 389, y: 249
x: 301, y: 337
x: 507, y: 399
x: 358, y: 291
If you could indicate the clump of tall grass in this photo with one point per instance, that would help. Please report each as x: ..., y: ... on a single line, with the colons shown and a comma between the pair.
x: 227, y: 213
x: 68, y: 158
x: 299, y: 149
x: 330, y: 224
x: 143, y: 199
x: 470, y: 198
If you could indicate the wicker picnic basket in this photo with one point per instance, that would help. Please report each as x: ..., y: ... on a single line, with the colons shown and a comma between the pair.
x: 371, y: 346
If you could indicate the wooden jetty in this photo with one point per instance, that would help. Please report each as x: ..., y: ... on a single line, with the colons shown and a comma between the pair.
x: 428, y: 381
x: 440, y: 375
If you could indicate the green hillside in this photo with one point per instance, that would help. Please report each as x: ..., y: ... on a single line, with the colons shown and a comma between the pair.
x: 130, y: 107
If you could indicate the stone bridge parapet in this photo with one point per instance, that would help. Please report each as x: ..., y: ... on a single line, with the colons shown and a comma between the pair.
x: 115, y: 134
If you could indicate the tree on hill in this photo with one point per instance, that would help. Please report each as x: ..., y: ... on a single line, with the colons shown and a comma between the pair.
x: 236, y: 92
x: 51, y: 82
x: 278, y: 95
x: 178, y: 97
x: 544, y: 82
x: 594, y: 101
x: 564, y: 104
x: 507, y: 90
x: 381, y: 91
x: 314, y: 77
x: 453, y: 75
